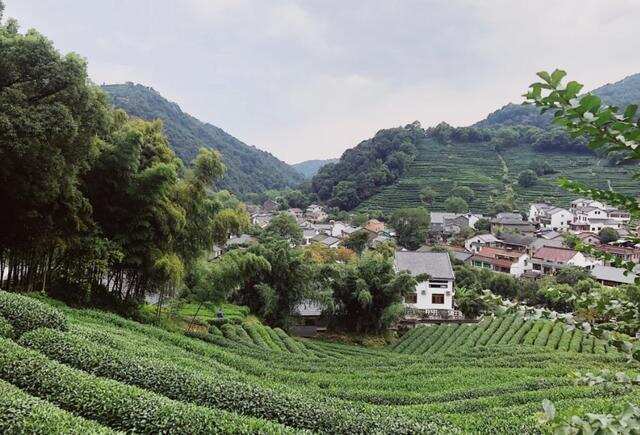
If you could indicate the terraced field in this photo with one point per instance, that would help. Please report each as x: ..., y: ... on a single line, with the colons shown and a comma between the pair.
x: 500, y: 331
x: 478, y: 166
x: 92, y: 372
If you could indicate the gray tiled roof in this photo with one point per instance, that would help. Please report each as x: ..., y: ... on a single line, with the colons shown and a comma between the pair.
x: 435, y: 264
x: 613, y: 274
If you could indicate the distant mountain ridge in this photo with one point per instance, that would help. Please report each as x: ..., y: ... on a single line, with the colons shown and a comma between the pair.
x: 309, y: 168
x: 249, y: 169
x: 621, y: 94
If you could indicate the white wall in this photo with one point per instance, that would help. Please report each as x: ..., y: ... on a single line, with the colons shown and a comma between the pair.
x: 519, y: 267
x: 424, y: 300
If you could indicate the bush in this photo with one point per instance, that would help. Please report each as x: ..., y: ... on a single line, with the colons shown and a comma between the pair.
x: 122, y: 407
x: 176, y: 383
x: 26, y: 314
x: 21, y: 413
x: 6, y: 330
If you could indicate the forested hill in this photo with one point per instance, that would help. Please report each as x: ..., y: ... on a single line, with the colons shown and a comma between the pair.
x: 620, y: 94
x: 309, y: 168
x: 248, y: 168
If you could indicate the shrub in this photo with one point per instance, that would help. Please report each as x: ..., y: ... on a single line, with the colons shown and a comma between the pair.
x: 167, y: 379
x: 6, y: 330
x: 21, y: 413
x: 26, y: 314
x: 122, y: 407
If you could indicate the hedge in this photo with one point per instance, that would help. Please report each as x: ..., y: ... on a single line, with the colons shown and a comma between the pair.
x: 26, y: 314
x: 168, y: 379
x: 114, y: 404
x: 6, y: 330
x: 21, y: 413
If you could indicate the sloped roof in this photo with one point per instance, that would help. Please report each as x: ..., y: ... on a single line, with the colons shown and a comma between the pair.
x: 613, y: 274
x: 555, y: 254
x: 436, y: 264
x: 516, y: 239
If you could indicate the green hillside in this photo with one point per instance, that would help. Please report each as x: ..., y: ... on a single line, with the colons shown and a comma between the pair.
x: 504, y: 330
x: 248, y: 168
x: 95, y: 372
x: 309, y: 168
x: 487, y: 172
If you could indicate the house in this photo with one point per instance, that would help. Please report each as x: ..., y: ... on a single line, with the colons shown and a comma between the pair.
x: 549, y: 259
x: 262, y: 219
x: 341, y: 230
x: 547, y: 238
x: 612, y: 276
x: 374, y: 226
x: 516, y: 242
x: 241, y: 240
x: 475, y: 243
x: 593, y: 216
x: 270, y: 206
x: 625, y: 253
x: 435, y: 293
x: 308, y: 318
x: 511, y: 222
x: 588, y: 238
x: 308, y: 235
x: 501, y: 260
x: 331, y: 242
x: 548, y: 216
x: 452, y: 223
x: 215, y: 252
x: 296, y: 212
x: 316, y: 213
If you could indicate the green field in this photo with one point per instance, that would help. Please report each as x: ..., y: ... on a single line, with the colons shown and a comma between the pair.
x: 100, y: 372
x: 478, y: 166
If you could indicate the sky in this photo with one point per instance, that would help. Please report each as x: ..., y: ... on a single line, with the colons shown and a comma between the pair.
x: 309, y: 79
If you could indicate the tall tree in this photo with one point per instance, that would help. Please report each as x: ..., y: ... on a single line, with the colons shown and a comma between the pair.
x: 411, y: 225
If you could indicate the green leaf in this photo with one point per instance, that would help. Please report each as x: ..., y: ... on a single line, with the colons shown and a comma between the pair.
x: 630, y: 111
x: 573, y: 89
x: 557, y: 76
x: 590, y: 102
x: 544, y: 76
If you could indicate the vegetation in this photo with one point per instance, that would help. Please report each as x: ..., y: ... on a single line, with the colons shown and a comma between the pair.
x: 411, y: 226
x: 248, y: 169
x: 309, y: 168
x: 455, y: 204
x: 261, y: 380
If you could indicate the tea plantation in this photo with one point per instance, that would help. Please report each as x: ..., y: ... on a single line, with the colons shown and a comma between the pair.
x: 478, y: 166
x: 86, y: 371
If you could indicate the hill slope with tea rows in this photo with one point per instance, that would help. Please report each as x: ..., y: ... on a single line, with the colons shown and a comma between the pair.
x: 478, y: 166
x: 88, y: 371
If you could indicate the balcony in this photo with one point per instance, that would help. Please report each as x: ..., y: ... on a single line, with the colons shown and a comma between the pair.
x: 417, y: 315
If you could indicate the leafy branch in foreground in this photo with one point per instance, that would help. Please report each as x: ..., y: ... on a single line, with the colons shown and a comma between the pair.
x: 627, y: 422
x: 606, y: 128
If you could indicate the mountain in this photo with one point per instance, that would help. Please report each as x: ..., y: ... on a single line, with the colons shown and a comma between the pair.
x: 248, y: 168
x: 309, y: 168
x: 620, y: 94
x: 487, y: 158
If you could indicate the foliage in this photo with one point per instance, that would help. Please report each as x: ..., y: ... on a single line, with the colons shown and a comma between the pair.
x: 357, y: 241
x: 527, y: 178
x: 367, y: 294
x: 248, y: 168
x: 626, y: 422
x: 456, y: 204
x: 363, y: 170
x: 284, y: 225
x: 483, y: 225
x: 608, y: 235
x: 25, y: 314
x: 427, y: 194
x: 411, y: 226
x: 469, y: 302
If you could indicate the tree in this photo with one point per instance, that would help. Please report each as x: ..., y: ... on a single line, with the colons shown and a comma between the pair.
x: 527, y: 178
x: 367, y: 294
x: 470, y: 302
x: 427, y: 195
x: 606, y: 129
x: 483, y: 225
x: 357, y: 241
x: 463, y: 192
x: 411, y: 225
x: 285, y: 225
x: 455, y: 204
x: 608, y: 235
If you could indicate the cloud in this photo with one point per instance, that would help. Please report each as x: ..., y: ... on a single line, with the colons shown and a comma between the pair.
x: 308, y: 79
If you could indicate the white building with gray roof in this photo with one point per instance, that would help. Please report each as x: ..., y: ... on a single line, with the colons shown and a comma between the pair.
x: 436, y: 293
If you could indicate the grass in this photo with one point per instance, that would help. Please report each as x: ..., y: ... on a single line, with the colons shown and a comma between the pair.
x: 479, y: 167
x: 251, y: 378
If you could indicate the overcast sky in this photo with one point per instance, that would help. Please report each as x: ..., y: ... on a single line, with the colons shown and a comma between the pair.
x: 309, y: 79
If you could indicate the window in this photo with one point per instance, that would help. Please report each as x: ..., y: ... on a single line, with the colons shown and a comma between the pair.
x: 437, y: 298
x: 423, y: 292
x: 411, y: 298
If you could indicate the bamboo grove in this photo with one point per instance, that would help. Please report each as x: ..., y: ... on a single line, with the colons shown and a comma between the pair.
x: 94, y: 202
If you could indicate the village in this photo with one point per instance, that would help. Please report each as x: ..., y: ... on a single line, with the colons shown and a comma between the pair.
x: 525, y: 245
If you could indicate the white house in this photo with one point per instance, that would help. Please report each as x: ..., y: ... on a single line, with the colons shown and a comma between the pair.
x: 500, y: 260
x: 435, y: 293
x: 550, y: 217
x: 475, y: 243
x: 593, y: 216
x: 549, y: 259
